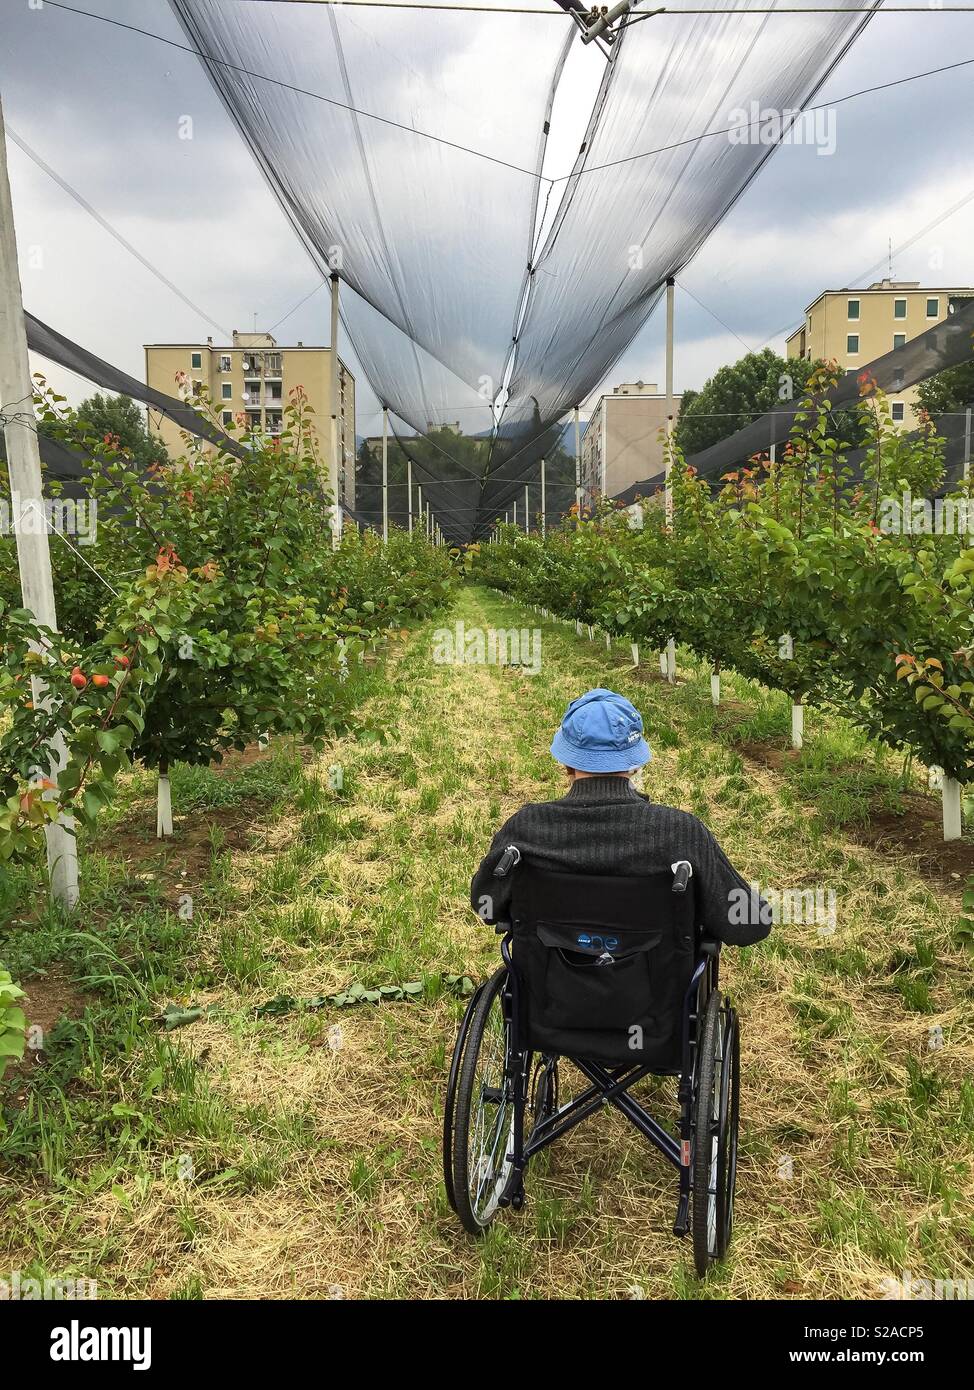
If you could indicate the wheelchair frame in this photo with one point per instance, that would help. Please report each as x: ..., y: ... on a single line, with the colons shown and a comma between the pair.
x: 610, y: 1085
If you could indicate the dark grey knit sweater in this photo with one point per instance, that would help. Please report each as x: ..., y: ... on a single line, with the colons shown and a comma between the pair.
x: 604, y: 826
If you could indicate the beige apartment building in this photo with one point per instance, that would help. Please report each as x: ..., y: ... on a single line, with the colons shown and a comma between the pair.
x: 253, y: 376
x: 856, y: 326
x: 623, y: 443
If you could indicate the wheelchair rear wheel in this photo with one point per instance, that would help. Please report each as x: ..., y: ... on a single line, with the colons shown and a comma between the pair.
x: 716, y: 1109
x: 479, y: 1133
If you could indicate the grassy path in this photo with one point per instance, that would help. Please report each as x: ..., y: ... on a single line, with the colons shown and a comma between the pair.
x: 299, y: 1155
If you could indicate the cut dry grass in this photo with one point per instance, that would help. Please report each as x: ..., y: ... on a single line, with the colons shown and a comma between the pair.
x: 298, y: 1156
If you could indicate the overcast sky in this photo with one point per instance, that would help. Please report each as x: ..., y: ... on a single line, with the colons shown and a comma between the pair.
x: 102, y: 107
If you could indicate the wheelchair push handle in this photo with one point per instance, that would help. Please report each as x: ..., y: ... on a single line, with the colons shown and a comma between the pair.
x: 508, y: 860
x: 682, y: 874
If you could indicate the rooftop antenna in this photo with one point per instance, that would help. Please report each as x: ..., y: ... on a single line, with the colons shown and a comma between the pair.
x: 890, y: 247
x: 255, y: 320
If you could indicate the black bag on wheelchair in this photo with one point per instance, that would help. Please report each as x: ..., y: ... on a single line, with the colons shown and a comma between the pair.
x: 603, y: 963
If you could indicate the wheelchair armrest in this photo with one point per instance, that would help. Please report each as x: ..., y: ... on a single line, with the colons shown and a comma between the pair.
x: 501, y: 928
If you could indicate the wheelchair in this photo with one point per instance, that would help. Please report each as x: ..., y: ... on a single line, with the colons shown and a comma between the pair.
x: 612, y: 976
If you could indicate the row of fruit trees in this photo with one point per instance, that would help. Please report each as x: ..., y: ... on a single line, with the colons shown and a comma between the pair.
x: 208, y: 610
x: 844, y: 588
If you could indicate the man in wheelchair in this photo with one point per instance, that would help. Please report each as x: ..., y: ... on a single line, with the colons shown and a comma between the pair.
x: 613, y: 910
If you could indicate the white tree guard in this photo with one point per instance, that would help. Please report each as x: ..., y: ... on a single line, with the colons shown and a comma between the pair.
x: 797, y: 725
x: 715, y: 688
x: 164, y: 808
x: 670, y: 671
x: 953, y: 817
x: 634, y: 648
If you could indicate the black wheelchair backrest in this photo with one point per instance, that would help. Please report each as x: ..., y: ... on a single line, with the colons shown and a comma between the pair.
x: 663, y: 901
x: 604, y: 960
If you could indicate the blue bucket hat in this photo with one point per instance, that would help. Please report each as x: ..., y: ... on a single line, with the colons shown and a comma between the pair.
x: 601, y: 732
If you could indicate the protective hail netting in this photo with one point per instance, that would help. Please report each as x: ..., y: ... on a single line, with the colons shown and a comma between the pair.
x: 478, y: 286
x: 945, y: 345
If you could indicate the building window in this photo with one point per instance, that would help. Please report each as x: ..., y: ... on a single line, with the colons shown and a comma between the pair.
x: 272, y: 364
x: 852, y: 344
x: 196, y: 362
x: 897, y: 411
x: 228, y: 417
x: 899, y: 308
x: 853, y: 308
x: 933, y: 308
x: 225, y: 362
x: 899, y: 340
x: 226, y: 390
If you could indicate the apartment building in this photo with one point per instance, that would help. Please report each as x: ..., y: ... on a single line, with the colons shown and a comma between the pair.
x: 253, y: 376
x: 623, y: 440
x: 856, y: 326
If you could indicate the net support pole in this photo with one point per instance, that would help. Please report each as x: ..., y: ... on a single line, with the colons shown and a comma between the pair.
x: 543, y: 503
x: 419, y: 504
x: 385, y: 475
x: 515, y: 513
x: 409, y: 493
x: 578, y: 468
x: 26, y: 496
x: 336, y: 509
x: 670, y: 291
x: 967, y: 444
x: 527, y: 510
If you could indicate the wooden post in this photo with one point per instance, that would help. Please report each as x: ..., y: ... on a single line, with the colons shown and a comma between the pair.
x: 28, y: 515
